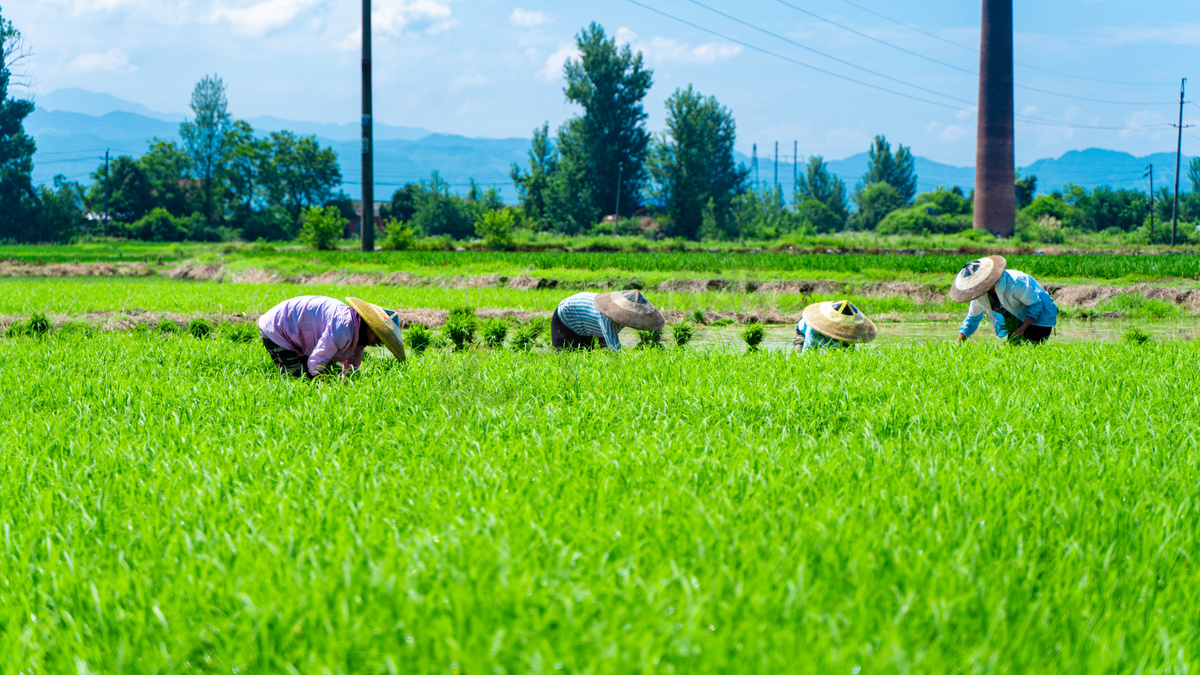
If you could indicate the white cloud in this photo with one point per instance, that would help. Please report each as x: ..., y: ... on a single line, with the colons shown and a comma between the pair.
x: 660, y: 49
x: 1186, y: 34
x: 394, y: 16
x: 526, y: 19
x: 553, y: 68
x: 114, y: 60
x: 465, y: 81
x: 260, y: 17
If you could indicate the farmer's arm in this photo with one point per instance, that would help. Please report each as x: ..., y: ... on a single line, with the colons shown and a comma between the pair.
x: 1024, y: 292
x: 323, y: 352
x: 611, y: 336
x: 352, y: 364
x: 971, y: 323
x: 809, y: 338
x: 1024, y: 324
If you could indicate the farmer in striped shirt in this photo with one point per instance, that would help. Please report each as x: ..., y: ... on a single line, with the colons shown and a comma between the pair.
x: 585, y: 318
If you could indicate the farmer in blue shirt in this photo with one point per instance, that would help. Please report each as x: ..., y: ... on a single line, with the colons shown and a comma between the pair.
x: 832, y: 324
x: 1007, y: 297
x: 587, y: 318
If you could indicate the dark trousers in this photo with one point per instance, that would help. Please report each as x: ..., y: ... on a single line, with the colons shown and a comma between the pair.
x: 289, y: 362
x: 562, y: 337
x: 1038, y: 334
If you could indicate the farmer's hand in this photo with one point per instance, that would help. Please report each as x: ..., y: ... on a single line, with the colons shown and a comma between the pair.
x: 1020, y: 331
x: 962, y: 338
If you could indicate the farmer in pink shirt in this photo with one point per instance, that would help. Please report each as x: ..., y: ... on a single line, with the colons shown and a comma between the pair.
x: 304, y: 335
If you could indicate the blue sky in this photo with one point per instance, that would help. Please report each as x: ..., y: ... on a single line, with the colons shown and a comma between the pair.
x: 493, y: 69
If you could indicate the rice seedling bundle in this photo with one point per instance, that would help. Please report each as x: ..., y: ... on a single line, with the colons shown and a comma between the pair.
x: 175, y: 505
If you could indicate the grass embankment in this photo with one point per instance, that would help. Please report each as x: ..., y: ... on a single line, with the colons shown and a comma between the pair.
x: 170, y: 504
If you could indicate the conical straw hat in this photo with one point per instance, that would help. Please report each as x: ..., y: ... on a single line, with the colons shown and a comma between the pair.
x: 839, y: 320
x: 630, y: 308
x: 384, y: 322
x: 977, y: 278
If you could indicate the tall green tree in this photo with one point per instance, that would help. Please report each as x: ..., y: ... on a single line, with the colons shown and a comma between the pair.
x: 692, y: 168
x: 169, y: 170
x: 1194, y: 174
x: 819, y: 183
x: 206, y: 136
x: 16, y: 147
x: 608, y: 144
x: 533, y: 185
x: 59, y: 212
x: 301, y: 174
x: 1025, y: 188
x: 124, y: 189
x: 898, y: 170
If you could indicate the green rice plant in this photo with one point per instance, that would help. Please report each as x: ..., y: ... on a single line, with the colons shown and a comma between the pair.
x: 698, y: 317
x: 166, y: 326
x: 1136, y: 336
x: 242, y: 332
x: 440, y: 341
x: 753, y: 335
x: 1137, y: 306
x: 525, y: 336
x: 418, y: 337
x: 494, y: 332
x: 460, y: 327
x: 682, y: 333
x: 539, y: 325
x: 1011, y: 324
x: 723, y: 321
x: 649, y: 339
x: 77, y: 328
x: 36, y: 325
x: 200, y: 328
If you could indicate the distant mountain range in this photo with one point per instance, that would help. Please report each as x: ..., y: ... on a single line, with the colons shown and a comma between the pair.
x: 74, y: 127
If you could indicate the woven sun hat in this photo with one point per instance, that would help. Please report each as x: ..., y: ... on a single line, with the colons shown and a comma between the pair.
x: 383, y: 322
x: 630, y: 308
x: 976, y: 278
x: 839, y: 320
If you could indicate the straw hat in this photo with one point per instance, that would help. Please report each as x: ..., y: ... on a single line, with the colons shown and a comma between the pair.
x: 384, y: 322
x: 839, y: 320
x: 977, y: 278
x: 630, y: 308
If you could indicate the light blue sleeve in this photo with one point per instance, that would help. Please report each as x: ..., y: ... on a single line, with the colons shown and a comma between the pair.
x: 1025, y: 291
x: 802, y: 328
x: 610, y: 330
x: 974, y: 316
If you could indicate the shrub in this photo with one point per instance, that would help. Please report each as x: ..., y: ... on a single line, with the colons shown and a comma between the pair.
x: 320, y: 228
x: 494, y: 333
x: 200, y: 328
x: 699, y: 317
x: 418, y: 337
x: 1136, y: 336
x: 160, y: 225
x: 753, y: 335
x: 648, y: 339
x: 682, y: 333
x: 460, y: 327
x: 398, y: 236
x: 167, y: 327
x: 496, y: 228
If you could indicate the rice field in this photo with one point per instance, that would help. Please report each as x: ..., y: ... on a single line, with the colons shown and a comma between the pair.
x: 172, y: 505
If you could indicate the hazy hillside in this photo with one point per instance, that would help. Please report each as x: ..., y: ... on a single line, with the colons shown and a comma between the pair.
x: 73, y: 128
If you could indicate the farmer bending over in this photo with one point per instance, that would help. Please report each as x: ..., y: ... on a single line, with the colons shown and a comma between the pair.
x: 587, y: 317
x: 304, y: 335
x: 832, y: 324
x: 1013, y: 301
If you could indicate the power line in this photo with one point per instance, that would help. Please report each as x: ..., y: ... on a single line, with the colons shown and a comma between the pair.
x: 959, y: 68
x: 976, y: 51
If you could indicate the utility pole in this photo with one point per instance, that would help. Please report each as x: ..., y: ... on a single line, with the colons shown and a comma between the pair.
x: 368, y: 145
x: 754, y: 165
x: 617, y: 212
x: 1178, y: 151
x: 995, y: 194
x: 777, y: 167
x: 1150, y: 172
x: 795, y: 169
x: 107, y: 192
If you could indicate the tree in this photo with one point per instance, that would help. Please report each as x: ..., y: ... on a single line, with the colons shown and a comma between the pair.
x: 440, y: 213
x: 819, y: 183
x: 322, y: 227
x: 608, y: 144
x: 126, y: 189
x: 1026, y: 188
x: 495, y: 226
x: 169, y: 170
x: 206, y: 137
x: 16, y: 147
x: 405, y: 201
x: 301, y: 173
x: 59, y: 212
x: 875, y: 202
x: 692, y: 168
x: 533, y: 186
x: 898, y: 170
